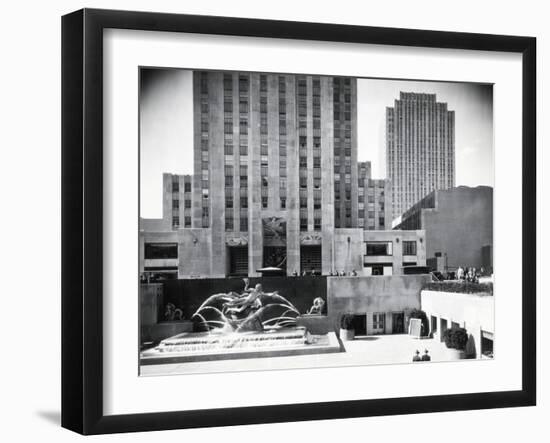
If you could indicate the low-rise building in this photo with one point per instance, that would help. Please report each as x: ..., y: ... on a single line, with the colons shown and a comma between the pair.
x: 474, y: 312
x: 459, y: 227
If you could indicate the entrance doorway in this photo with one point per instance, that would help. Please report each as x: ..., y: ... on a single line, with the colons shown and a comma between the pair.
x: 360, y: 324
x: 378, y: 322
x: 238, y: 260
x: 311, y: 259
x: 398, y: 323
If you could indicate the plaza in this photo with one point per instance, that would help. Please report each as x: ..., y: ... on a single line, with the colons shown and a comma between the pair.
x: 364, y: 350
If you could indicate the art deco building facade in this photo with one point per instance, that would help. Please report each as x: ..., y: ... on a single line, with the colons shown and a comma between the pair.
x: 273, y: 149
x: 420, y: 148
x: 276, y: 181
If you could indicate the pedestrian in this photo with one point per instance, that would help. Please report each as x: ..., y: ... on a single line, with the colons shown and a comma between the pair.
x: 417, y: 356
x: 426, y: 357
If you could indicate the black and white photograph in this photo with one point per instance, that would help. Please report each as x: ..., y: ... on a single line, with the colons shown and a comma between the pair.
x: 291, y: 220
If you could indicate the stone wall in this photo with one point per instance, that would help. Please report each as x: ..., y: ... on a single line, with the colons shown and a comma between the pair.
x: 189, y: 294
x: 366, y: 295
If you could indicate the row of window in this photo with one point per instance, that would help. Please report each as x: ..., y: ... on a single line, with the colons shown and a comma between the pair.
x: 385, y: 248
x: 176, y: 186
x: 176, y: 221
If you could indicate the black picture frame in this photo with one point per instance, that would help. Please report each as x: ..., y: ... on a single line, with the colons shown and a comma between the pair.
x: 82, y: 259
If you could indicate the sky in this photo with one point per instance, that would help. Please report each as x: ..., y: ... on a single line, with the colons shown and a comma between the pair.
x: 166, y: 128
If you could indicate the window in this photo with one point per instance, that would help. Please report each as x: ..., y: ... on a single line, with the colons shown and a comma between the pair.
x: 244, y: 202
x: 229, y: 201
x: 187, y: 187
x: 228, y: 223
x: 244, y: 224
x: 264, y: 202
x: 175, y: 186
x: 283, y: 203
x: 161, y: 250
x: 187, y: 222
x: 317, y: 224
x: 379, y: 248
x: 175, y: 221
x: 187, y: 203
x: 409, y: 248
x: 303, y: 224
x: 175, y: 204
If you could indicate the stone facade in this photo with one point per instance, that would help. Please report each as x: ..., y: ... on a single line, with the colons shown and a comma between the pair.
x: 275, y: 138
x: 365, y: 297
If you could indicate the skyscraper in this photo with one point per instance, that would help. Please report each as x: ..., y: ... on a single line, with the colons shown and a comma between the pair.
x: 420, y: 148
x: 287, y: 146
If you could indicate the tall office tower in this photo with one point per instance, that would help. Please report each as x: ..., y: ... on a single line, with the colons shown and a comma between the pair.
x: 420, y: 148
x: 282, y: 142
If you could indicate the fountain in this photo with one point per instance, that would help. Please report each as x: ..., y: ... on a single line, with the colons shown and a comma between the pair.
x: 251, y: 324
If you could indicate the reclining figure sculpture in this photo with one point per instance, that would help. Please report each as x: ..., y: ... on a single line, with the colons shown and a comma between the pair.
x: 251, y: 310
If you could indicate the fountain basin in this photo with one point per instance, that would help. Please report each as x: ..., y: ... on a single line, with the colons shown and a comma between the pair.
x: 220, y: 345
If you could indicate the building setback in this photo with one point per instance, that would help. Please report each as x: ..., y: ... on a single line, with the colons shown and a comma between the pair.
x: 177, y: 199
x: 459, y: 227
x: 276, y: 181
x: 420, y: 148
x: 373, y: 200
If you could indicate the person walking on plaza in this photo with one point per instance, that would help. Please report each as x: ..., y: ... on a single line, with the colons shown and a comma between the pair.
x: 417, y: 356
